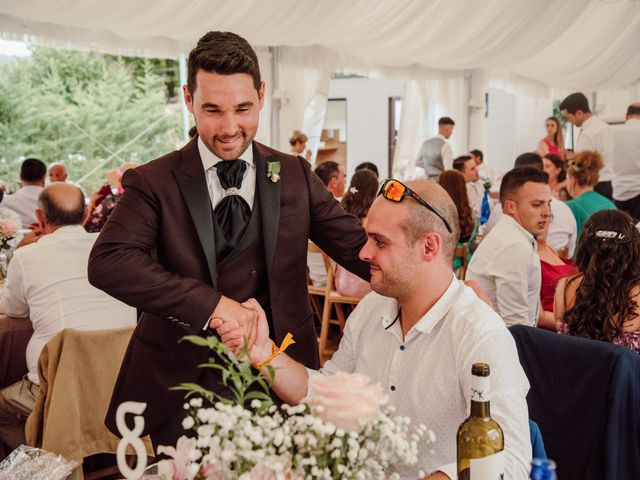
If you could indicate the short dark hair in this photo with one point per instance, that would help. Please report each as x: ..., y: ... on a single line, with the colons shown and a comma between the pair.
x: 529, y: 159
x: 458, y: 163
x: 517, y: 177
x: 477, y: 153
x: 33, y: 170
x: 224, y: 53
x: 574, y: 102
x: 446, y: 121
x: 328, y: 170
x: 368, y: 166
x: 633, y: 109
x: 59, y: 216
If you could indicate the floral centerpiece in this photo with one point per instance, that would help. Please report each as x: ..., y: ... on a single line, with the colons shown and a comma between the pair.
x: 342, y: 431
x: 8, y: 230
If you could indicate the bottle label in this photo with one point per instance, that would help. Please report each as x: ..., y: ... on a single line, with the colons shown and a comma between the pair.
x: 480, y: 389
x: 487, y: 468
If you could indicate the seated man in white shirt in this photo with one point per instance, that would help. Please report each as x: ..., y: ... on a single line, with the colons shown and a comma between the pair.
x: 506, y: 265
x: 418, y: 333
x: 25, y: 200
x: 47, y: 282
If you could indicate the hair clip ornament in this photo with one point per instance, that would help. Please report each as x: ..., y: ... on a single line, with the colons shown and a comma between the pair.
x: 353, y: 190
x: 610, y: 235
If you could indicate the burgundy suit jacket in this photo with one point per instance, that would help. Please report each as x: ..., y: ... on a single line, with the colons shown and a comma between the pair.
x: 157, y: 253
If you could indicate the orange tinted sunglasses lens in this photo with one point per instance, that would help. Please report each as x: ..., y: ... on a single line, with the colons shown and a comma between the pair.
x: 394, y: 191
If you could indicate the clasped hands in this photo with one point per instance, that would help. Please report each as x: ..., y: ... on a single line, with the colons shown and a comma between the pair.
x: 237, y: 323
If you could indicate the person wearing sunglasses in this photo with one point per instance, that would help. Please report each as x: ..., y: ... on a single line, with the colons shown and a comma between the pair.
x: 417, y: 333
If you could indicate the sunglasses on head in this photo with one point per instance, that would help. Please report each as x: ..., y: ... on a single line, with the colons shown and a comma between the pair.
x: 395, y: 191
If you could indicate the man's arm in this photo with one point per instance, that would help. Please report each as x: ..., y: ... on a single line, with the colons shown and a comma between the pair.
x: 14, y: 301
x: 512, y: 285
x: 339, y: 234
x: 122, y: 263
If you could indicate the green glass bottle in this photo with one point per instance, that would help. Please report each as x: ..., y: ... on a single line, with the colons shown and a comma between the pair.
x: 480, y: 440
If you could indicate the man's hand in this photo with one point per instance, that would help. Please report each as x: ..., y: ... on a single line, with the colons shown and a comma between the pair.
x: 231, y: 333
x: 242, y: 322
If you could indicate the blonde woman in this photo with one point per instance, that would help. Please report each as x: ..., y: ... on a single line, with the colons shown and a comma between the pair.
x: 554, y: 141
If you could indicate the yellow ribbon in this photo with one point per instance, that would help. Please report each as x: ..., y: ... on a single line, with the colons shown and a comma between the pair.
x: 275, y: 351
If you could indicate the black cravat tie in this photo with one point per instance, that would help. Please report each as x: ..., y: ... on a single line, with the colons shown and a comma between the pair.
x: 232, y: 212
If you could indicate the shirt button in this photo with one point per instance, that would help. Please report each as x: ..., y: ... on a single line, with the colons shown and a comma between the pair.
x: 393, y: 388
x: 253, y: 273
x: 402, y: 347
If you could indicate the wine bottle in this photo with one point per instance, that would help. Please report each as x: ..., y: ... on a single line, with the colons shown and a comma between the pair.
x: 480, y: 440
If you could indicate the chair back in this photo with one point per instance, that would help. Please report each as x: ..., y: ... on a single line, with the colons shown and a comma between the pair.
x: 77, y: 371
x: 585, y: 397
x: 461, y: 256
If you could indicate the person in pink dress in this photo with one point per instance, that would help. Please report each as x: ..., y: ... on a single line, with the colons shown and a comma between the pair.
x: 554, y: 141
x: 357, y: 201
x: 602, y: 300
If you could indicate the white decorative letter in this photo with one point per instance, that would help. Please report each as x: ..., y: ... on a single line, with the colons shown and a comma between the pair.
x: 131, y: 437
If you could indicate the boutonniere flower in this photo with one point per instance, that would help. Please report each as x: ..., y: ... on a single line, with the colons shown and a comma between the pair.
x: 273, y: 171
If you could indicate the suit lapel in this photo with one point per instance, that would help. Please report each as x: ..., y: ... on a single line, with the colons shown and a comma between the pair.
x: 269, y: 195
x: 193, y: 185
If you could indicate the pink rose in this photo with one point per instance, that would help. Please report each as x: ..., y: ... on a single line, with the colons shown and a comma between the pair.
x: 347, y: 400
x: 8, y: 227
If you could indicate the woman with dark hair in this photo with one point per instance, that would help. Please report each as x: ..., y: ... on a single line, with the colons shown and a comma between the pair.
x: 555, y: 168
x: 602, y: 301
x: 583, y: 173
x: 456, y: 186
x: 357, y: 201
x: 554, y: 141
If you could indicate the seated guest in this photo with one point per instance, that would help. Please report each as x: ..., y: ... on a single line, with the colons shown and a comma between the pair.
x: 454, y: 184
x: 418, y: 333
x: 357, y: 201
x: 506, y: 264
x: 475, y: 189
x: 47, y: 282
x: 368, y: 166
x: 562, y: 229
x: 556, y: 169
x: 583, y: 173
x: 602, y: 301
x: 553, y: 268
x: 333, y: 176
x: 553, y: 143
x: 25, y: 200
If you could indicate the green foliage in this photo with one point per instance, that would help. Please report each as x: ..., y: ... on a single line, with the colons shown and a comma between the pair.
x: 244, y: 383
x: 558, y: 114
x: 79, y: 107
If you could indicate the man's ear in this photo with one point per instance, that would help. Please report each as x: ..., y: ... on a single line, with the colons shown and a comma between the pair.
x: 509, y: 207
x: 431, y: 245
x: 188, y: 98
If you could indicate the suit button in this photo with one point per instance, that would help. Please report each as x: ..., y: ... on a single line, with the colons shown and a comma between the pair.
x: 253, y: 273
x: 211, y: 360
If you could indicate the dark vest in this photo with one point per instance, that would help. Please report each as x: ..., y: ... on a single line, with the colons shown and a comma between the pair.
x: 242, y: 271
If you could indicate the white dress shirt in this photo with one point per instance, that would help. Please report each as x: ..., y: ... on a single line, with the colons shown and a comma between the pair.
x: 507, y: 268
x: 47, y: 282
x: 24, y: 202
x: 595, y: 134
x: 563, y: 230
x: 626, y: 162
x: 216, y: 192
x: 427, y: 375
x: 446, y: 152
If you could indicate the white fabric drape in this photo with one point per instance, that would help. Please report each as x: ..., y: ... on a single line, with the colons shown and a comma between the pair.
x: 573, y: 43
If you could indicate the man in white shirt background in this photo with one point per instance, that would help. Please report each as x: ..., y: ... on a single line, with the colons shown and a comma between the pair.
x: 626, y: 163
x: 47, y: 282
x: 25, y: 200
x: 466, y: 165
x: 506, y: 265
x: 436, y: 154
x: 418, y: 334
x: 595, y: 134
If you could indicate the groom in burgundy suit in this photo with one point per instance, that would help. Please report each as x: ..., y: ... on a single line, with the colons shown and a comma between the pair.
x: 202, y: 229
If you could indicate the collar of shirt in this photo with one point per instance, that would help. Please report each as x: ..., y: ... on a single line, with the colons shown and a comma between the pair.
x: 67, y: 231
x: 442, y: 137
x: 209, y: 159
x: 430, y: 319
x: 515, y: 226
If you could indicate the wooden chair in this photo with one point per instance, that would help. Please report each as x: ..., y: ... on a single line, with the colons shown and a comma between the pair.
x: 316, y: 292
x: 462, y: 253
x: 332, y: 302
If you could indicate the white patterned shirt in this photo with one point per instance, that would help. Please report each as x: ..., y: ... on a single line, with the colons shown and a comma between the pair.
x: 427, y: 375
